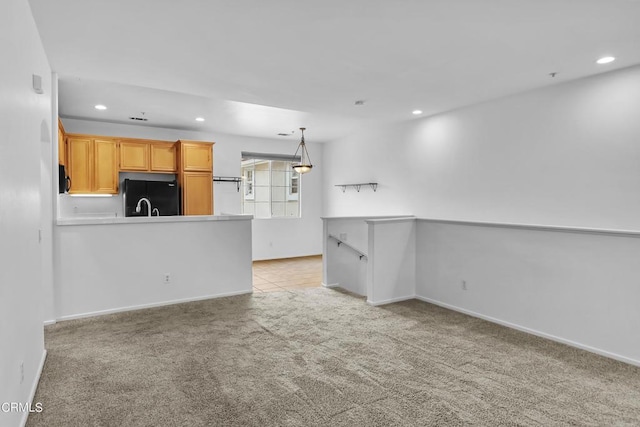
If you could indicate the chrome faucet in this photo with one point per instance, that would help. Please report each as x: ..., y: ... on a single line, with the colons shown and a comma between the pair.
x: 144, y: 199
x: 155, y: 212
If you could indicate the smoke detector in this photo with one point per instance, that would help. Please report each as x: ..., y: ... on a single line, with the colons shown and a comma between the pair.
x: 139, y: 119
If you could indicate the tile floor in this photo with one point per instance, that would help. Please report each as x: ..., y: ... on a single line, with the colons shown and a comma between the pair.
x: 287, y: 274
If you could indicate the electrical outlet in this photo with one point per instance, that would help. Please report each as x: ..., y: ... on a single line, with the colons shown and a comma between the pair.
x: 167, y: 278
x: 464, y: 285
x: 21, y: 371
x: 343, y: 237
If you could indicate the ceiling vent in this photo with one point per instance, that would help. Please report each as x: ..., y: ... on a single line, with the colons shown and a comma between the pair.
x: 139, y: 119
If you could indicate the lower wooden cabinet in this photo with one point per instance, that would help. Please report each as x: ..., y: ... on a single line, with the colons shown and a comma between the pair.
x: 92, y: 165
x: 197, y: 193
x: 195, y: 174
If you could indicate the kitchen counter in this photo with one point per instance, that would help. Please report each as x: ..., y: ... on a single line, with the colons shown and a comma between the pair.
x: 105, y: 268
x: 153, y: 219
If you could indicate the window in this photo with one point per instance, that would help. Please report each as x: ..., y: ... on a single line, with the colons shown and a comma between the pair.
x: 249, y: 183
x: 294, y: 185
x: 271, y: 187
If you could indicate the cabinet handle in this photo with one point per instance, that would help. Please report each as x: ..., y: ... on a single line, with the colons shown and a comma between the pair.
x: 68, y: 180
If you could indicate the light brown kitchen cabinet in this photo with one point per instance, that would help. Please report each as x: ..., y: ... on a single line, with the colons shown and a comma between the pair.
x: 134, y: 156
x: 196, y: 156
x: 105, y: 166
x: 62, y: 152
x: 163, y: 157
x: 195, y: 175
x: 92, y: 165
x: 80, y: 164
x: 197, y: 192
x: 147, y: 156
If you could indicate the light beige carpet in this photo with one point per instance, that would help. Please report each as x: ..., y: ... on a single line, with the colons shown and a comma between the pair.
x: 321, y: 357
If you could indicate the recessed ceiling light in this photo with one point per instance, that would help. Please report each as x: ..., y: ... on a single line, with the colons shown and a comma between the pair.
x: 417, y: 112
x: 606, y: 60
x: 199, y: 119
x: 100, y: 107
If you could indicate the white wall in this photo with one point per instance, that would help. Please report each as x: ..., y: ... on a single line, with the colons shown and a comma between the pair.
x: 391, y: 268
x: 576, y: 286
x: 565, y: 155
x: 114, y: 267
x: 353, y: 230
x: 25, y: 120
x: 272, y: 238
x: 579, y: 288
x: 48, y: 203
x: 388, y: 240
x: 341, y: 264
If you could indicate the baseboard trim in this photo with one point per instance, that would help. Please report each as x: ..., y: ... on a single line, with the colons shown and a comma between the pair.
x: 330, y: 285
x: 287, y: 257
x: 533, y: 332
x: 34, y: 387
x: 49, y: 322
x: 152, y: 305
x: 390, y: 301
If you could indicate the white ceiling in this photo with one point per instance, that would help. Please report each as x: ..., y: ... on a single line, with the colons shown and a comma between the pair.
x: 255, y: 67
x: 178, y: 111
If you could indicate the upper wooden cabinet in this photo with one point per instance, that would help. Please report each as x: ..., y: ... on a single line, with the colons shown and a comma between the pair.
x: 134, y: 156
x: 195, y: 156
x: 105, y: 166
x: 147, y: 156
x: 92, y: 165
x: 80, y: 164
x: 163, y: 157
x: 62, y: 152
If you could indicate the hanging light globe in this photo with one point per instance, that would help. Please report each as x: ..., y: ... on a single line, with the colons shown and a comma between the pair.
x: 304, y: 165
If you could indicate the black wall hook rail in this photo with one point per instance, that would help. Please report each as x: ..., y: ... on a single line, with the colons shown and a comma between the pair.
x: 235, y: 179
x: 373, y: 185
x: 340, y: 242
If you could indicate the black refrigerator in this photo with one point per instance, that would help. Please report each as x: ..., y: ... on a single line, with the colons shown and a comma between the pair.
x: 163, y: 195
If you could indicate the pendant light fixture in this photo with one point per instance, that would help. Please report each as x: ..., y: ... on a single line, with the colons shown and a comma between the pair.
x: 305, y: 163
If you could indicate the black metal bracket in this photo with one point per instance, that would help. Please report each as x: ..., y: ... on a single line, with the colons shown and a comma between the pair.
x: 373, y: 185
x: 235, y: 179
x: 340, y: 242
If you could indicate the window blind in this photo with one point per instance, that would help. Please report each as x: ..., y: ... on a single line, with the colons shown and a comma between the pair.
x: 248, y: 155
